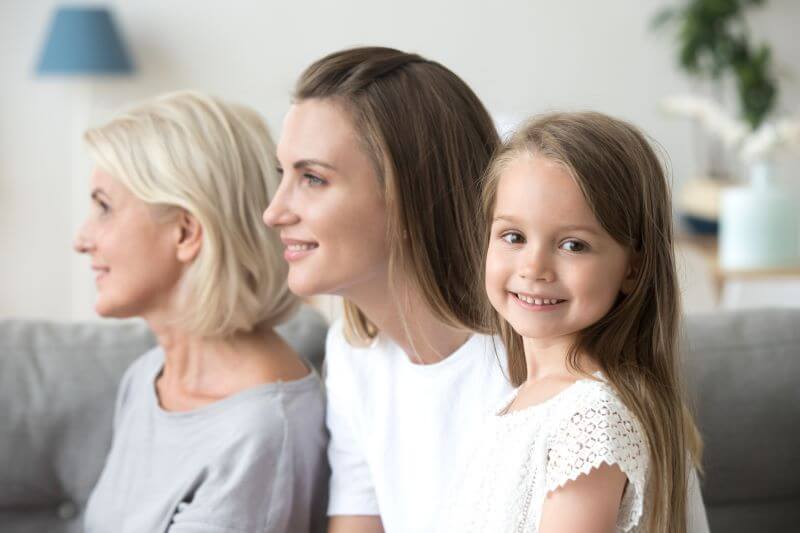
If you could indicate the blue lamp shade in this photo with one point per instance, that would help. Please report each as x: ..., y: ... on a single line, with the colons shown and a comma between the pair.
x: 83, y: 40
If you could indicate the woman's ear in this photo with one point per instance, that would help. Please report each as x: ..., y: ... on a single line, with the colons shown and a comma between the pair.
x: 189, y: 237
x: 632, y: 274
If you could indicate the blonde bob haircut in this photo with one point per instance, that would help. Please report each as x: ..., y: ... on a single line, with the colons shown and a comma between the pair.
x: 216, y: 161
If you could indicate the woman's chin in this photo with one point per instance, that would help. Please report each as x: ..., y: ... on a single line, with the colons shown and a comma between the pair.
x: 106, y: 309
x: 303, y: 286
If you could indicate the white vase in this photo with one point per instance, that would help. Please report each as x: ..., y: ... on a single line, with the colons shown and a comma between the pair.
x: 759, y: 224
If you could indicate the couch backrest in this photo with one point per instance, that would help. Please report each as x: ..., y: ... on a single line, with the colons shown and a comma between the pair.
x: 58, y: 383
x: 743, y: 375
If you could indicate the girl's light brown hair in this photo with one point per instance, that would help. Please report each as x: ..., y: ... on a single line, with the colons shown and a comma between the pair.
x: 635, y: 344
x: 430, y: 139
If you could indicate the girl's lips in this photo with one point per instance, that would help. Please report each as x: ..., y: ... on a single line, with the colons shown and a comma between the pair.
x: 534, y: 307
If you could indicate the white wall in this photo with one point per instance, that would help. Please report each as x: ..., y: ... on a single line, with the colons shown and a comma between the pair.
x: 521, y: 57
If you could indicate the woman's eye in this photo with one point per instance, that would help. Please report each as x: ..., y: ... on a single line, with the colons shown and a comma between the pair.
x: 512, y: 237
x: 573, y: 246
x: 104, y: 207
x: 313, y: 180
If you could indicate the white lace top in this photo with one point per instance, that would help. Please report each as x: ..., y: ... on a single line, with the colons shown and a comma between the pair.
x: 523, y: 455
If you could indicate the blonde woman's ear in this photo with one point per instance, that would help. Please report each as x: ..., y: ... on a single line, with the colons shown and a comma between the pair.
x: 190, y: 237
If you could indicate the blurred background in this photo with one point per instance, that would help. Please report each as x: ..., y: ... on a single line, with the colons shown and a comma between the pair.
x: 734, y: 162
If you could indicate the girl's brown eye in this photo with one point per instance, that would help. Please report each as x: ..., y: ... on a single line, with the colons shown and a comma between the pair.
x: 573, y: 246
x: 512, y: 237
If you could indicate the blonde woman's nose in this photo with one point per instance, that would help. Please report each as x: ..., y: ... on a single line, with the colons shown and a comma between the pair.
x: 81, y: 243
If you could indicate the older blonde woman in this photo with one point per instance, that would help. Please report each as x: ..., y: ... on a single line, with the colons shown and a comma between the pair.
x: 221, y: 426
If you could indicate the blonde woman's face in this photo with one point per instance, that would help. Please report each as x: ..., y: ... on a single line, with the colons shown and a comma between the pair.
x: 329, y: 207
x: 133, y: 255
x: 551, y: 269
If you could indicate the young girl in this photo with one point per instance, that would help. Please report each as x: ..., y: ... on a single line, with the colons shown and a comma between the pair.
x: 580, y: 272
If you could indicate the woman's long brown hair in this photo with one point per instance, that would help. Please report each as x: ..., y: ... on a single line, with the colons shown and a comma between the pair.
x: 430, y: 139
x: 635, y: 344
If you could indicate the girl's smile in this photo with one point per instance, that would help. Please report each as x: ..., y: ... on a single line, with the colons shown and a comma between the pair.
x: 551, y: 268
x: 537, y: 302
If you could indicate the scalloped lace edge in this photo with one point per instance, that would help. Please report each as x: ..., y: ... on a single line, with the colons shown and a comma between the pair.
x: 638, y: 485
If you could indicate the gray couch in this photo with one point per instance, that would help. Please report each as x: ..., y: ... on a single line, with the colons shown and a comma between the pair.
x: 57, y: 388
x: 57, y: 385
x: 743, y: 375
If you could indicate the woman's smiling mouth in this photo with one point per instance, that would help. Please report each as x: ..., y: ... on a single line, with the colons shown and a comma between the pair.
x: 297, y: 249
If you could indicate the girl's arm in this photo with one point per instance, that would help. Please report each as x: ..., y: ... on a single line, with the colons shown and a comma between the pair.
x: 589, y: 504
x: 355, y: 524
x: 597, y: 463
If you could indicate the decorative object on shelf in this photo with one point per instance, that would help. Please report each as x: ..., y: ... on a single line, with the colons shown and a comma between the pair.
x: 758, y: 225
x: 758, y: 221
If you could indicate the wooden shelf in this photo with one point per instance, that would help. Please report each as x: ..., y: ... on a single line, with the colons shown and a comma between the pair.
x: 707, y: 246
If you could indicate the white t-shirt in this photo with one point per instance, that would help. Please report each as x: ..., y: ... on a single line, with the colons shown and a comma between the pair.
x: 401, y: 434
x: 400, y: 431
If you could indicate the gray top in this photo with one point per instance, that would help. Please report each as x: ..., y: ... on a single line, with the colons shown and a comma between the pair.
x: 253, y: 462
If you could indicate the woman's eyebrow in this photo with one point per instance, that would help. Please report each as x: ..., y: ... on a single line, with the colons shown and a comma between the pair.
x: 97, y: 192
x: 313, y: 162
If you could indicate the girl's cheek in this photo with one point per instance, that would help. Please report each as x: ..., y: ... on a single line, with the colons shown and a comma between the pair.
x: 495, y: 272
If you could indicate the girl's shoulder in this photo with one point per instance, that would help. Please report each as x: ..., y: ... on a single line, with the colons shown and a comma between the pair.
x: 592, y: 396
x: 592, y: 412
x: 590, y: 426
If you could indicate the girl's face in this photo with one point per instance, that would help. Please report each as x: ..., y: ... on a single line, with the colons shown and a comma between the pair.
x: 329, y: 206
x: 551, y: 269
x: 133, y: 254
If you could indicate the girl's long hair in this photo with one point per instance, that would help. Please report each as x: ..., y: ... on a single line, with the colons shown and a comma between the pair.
x: 635, y: 344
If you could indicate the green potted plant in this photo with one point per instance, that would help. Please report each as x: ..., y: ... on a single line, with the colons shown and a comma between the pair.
x: 758, y: 224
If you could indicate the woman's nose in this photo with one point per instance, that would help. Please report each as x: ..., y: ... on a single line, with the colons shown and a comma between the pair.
x: 279, y: 212
x: 82, y: 243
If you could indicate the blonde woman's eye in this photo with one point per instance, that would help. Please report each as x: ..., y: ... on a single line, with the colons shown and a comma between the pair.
x: 512, y: 237
x: 573, y: 245
x: 102, y: 206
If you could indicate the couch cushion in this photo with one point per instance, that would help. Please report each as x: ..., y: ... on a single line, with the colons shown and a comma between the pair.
x: 742, y: 372
x: 58, y: 383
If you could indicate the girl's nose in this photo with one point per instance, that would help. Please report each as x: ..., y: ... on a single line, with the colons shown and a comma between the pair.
x: 537, y: 266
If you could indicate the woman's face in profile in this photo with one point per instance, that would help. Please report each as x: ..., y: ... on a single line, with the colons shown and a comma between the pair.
x: 133, y: 254
x: 329, y: 208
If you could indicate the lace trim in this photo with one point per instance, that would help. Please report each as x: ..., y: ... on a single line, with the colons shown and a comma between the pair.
x: 600, y: 429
